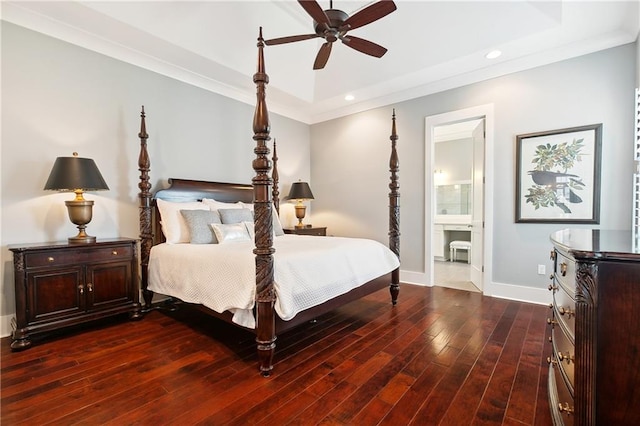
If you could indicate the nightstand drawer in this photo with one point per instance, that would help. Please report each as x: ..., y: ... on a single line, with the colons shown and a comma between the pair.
x: 53, y: 258
x: 319, y: 232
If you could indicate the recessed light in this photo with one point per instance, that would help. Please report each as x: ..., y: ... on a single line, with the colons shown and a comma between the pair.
x: 493, y: 54
x: 349, y: 97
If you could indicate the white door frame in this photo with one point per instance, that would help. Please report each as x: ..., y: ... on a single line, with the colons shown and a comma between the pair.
x: 481, y: 111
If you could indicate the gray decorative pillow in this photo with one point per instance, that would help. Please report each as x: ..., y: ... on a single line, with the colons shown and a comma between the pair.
x: 229, y: 216
x: 199, y: 224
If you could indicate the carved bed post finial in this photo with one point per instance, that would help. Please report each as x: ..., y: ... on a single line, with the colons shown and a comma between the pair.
x: 263, y: 215
x: 394, y: 209
x: 276, y: 179
x: 146, y: 234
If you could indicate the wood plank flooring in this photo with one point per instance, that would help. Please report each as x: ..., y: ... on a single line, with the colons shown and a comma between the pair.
x: 440, y: 357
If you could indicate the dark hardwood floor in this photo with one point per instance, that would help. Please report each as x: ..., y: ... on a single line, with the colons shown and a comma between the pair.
x: 441, y: 356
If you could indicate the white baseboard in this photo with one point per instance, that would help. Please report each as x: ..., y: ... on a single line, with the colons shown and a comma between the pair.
x: 411, y: 277
x: 539, y: 296
x: 5, y: 325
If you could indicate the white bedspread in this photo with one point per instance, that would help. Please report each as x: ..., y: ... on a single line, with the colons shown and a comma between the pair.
x: 308, y: 270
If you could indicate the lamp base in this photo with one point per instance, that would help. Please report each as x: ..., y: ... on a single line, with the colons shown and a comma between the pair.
x: 80, y: 213
x: 301, y: 209
x: 82, y: 239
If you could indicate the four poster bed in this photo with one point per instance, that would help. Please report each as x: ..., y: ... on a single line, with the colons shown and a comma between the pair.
x: 279, y: 281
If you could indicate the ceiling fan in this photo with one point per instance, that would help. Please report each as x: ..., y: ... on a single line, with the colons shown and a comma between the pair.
x: 333, y: 25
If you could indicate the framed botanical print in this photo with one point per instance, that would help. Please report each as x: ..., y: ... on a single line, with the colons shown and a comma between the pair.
x: 558, y: 176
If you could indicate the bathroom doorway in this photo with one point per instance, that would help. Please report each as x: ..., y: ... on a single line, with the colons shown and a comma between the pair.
x: 456, y: 182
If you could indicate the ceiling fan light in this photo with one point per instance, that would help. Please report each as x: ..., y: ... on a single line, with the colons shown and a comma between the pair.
x: 493, y: 54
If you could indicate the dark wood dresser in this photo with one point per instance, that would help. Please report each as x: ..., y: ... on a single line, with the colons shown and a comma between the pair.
x: 594, y: 374
x: 60, y: 284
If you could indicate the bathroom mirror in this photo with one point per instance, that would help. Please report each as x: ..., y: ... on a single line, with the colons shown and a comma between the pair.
x: 453, y: 199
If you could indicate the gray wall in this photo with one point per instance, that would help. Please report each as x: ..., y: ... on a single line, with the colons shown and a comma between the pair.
x: 455, y: 159
x: 349, y: 156
x: 58, y: 98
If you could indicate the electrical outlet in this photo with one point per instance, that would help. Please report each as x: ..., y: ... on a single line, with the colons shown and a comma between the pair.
x: 542, y: 269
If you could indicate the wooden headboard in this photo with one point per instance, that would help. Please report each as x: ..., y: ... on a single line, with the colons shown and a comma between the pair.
x: 185, y: 190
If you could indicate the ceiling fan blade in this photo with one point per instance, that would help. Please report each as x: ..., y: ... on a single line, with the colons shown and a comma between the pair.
x: 364, y: 46
x: 323, y: 56
x: 369, y: 14
x: 290, y: 39
x: 315, y: 11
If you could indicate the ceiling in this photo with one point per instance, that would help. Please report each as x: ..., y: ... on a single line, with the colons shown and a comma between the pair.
x: 432, y: 45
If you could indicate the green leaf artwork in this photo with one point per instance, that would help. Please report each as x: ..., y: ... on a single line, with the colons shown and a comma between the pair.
x: 553, y: 186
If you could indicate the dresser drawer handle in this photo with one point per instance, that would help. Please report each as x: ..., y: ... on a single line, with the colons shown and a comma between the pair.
x: 551, y: 361
x: 568, y: 357
x: 566, y: 311
x: 553, y: 255
x: 552, y: 287
x: 563, y: 269
x: 50, y: 259
x: 565, y: 408
x: 551, y: 321
x: 115, y: 252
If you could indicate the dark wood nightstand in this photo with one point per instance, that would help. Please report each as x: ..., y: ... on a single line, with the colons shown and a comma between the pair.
x: 60, y: 284
x: 318, y: 231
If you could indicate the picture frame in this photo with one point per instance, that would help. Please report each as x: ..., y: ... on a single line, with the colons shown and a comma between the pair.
x: 558, y: 175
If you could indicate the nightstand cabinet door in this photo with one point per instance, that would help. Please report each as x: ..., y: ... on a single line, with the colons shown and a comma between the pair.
x: 54, y: 294
x: 108, y: 284
x: 61, y: 284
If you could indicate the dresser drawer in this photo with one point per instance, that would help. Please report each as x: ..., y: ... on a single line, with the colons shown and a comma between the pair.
x: 564, y: 353
x: 75, y: 256
x: 565, y: 273
x: 565, y: 312
x: 563, y: 405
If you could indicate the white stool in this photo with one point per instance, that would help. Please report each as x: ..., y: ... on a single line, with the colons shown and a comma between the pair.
x: 459, y: 245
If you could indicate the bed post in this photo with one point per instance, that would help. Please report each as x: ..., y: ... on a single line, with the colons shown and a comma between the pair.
x: 394, y: 210
x: 276, y: 179
x: 146, y: 234
x: 263, y: 212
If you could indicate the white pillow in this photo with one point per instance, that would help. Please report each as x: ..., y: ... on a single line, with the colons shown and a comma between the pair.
x: 230, y: 232
x: 251, y: 229
x: 277, y: 226
x: 174, y: 227
x: 218, y: 205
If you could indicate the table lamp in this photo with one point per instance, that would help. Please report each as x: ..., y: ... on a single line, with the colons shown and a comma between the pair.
x: 76, y: 174
x: 300, y: 191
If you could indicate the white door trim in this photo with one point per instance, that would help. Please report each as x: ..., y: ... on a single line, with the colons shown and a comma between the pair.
x: 481, y: 111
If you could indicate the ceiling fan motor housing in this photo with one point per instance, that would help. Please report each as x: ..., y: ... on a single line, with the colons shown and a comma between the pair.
x: 336, y: 19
